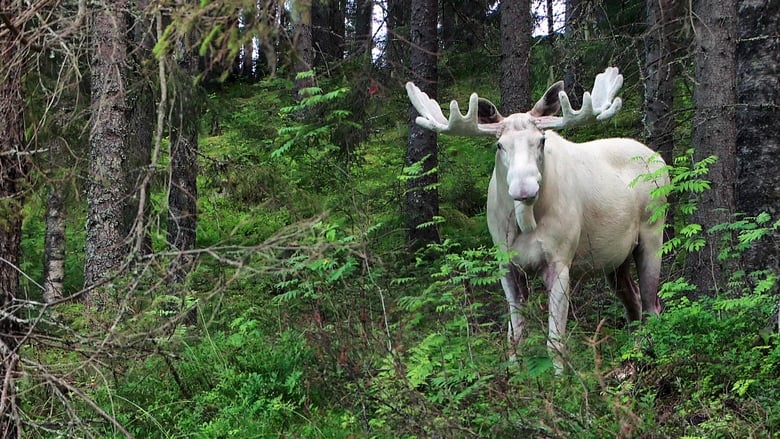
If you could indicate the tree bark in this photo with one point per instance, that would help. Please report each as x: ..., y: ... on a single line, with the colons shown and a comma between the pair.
x: 105, y: 245
x: 248, y: 51
x: 462, y: 23
x: 714, y: 132
x: 660, y: 76
x: 363, y: 26
x: 183, y: 193
x: 304, y: 51
x: 141, y: 122
x: 758, y: 127
x: 328, y: 31
x: 573, y: 68
x: 550, y: 19
x: 422, y: 196
x: 516, y: 28
x: 54, y: 247
x: 396, y: 44
x: 13, y: 172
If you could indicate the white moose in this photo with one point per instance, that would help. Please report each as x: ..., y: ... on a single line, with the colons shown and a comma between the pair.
x: 565, y: 209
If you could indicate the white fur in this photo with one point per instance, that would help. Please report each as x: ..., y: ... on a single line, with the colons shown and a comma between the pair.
x: 565, y: 209
x: 585, y: 220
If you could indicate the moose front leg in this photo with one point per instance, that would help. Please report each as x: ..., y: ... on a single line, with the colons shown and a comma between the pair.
x: 515, y: 286
x: 556, y: 280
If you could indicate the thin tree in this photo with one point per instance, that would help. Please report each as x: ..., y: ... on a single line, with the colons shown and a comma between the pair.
x: 54, y: 247
x: 396, y: 44
x: 248, y: 50
x: 13, y: 172
x: 140, y: 128
x: 422, y: 196
x: 660, y: 74
x: 105, y: 247
x: 462, y: 22
x: 714, y: 132
x: 183, y: 191
x: 516, y: 28
x: 550, y: 18
x: 303, y: 52
x: 758, y: 127
x: 328, y: 31
x: 362, y: 22
x: 573, y: 33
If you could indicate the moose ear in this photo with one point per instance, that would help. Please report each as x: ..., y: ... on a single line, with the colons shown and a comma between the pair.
x: 549, y: 104
x: 487, y: 112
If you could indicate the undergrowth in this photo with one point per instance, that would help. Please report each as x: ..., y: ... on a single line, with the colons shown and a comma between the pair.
x: 336, y: 330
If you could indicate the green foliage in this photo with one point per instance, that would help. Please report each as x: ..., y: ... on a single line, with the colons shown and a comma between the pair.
x: 309, y: 137
x: 234, y: 383
x: 441, y: 381
x: 709, y: 365
x: 687, y: 181
x: 743, y: 232
x: 304, y: 277
x: 330, y: 328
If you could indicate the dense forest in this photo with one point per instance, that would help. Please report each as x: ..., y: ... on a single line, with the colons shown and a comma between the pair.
x: 220, y: 219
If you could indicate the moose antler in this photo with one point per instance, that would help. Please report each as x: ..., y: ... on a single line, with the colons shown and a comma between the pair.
x: 432, y: 118
x: 599, y: 105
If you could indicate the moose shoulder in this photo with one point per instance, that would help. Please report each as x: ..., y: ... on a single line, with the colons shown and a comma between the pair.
x: 565, y: 209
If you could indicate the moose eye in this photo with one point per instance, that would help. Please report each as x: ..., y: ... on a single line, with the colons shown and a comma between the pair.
x: 541, y: 142
x: 499, y: 146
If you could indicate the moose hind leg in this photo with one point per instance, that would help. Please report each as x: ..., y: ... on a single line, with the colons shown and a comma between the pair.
x: 515, y: 286
x: 627, y: 290
x: 648, y: 267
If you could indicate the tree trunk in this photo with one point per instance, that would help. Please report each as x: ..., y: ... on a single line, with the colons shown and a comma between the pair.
x: 660, y: 76
x: 141, y: 122
x: 13, y: 171
x: 248, y: 51
x: 54, y: 247
x: 714, y: 132
x: 396, y: 45
x: 248, y: 64
x: 516, y: 28
x: 304, y: 51
x: 363, y: 26
x: 462, y: 23
x: 328, y: 31
x: 183, y: 193
x: 105, y: 245
x: 422, y: 196
x: 758, y: 132
x: 573, y: 68
x: 550, y: 19
x: 449, y: 23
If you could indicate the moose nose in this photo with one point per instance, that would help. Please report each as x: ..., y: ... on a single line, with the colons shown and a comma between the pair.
x: 524, y: 190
